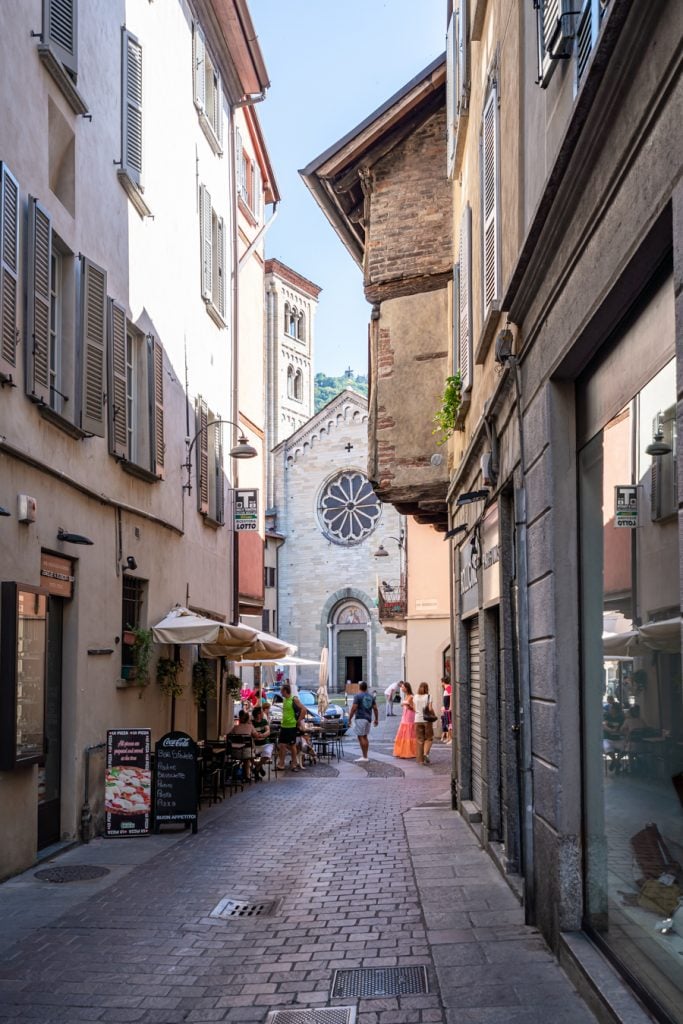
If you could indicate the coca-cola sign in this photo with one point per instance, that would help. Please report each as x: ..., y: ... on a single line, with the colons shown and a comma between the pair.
x: 175, y: 781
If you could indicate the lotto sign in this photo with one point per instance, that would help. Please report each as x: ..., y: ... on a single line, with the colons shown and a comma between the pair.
x: 246, y: 509
x: 626, y: 506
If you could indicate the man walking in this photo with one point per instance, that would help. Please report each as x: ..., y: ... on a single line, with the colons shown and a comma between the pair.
x: 389, y: 694
x: 363, y: 709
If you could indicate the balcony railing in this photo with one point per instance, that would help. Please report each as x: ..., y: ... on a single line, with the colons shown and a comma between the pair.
x: 392, y: 600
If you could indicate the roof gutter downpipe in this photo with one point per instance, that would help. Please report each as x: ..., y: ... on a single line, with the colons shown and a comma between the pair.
x: 522, y: 603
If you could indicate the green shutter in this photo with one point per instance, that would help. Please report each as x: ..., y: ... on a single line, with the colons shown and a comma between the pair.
x: 38, y: 303
x: 93, y: 340
x: 9, y: 269
x: 117, y: 392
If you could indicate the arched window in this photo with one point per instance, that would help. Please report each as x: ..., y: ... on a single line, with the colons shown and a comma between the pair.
x: 290, y: 381
x: 291, y: 322
x: 299, y: 386
x: 301, y: 327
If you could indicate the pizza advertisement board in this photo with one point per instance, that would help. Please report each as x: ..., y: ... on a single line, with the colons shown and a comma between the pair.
x: 128, y: 782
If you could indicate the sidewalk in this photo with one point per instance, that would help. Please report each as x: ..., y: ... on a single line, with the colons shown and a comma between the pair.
x: 346, y: 858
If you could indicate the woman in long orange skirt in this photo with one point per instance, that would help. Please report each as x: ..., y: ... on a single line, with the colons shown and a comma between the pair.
x: 405, y: 743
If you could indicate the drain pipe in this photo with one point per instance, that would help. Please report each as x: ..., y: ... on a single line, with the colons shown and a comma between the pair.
x: 522, y: 579
x: 86, y: 814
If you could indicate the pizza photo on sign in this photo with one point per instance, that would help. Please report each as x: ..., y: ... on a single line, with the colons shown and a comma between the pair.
x: 127, y: 790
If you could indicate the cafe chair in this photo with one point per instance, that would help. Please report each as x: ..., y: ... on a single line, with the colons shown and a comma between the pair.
x: 211, y: 764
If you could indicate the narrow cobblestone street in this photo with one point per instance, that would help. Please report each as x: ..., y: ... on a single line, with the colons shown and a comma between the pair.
x: 350, y: 854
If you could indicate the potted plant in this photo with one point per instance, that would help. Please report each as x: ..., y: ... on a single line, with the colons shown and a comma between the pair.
x: 168, y: 671
x: 234, y: 685
x: 203, y: 681
x: 446, y: 418
x: 142, y: 654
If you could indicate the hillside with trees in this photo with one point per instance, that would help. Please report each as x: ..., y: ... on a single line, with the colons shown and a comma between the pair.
x: 327, y: 387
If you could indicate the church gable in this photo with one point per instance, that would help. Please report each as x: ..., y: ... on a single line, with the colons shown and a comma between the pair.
x: 344, y: 409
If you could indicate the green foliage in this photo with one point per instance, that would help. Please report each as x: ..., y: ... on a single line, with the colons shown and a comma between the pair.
x: 446, y: 417
x: 203, y: 681
x: 168, y: 670
x: 142, y: 653
x: 327, y: 388
x: 234, y: 685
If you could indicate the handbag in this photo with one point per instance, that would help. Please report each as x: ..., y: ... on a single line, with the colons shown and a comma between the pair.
x: 428, y: 713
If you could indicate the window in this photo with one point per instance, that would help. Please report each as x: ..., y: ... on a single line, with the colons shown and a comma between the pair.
x: 131, y: 619
x: 249, y: 181
x: 208, y: 91
x: 457, y: 84
x: 587, y: 31
x: 9, y: 271
x: 210, y: 476
x: 295, y: 323
x: 269, y: 576
x: 349, y: 508
x: 136, y: 394
x: 290, y: 381
x: 299, y: 386
x: 462, y: 302
x: 490, y: 240
x: 58, y: 48
x: 557, y: 25
x: 65, y: 340
x: 265, y: 620
x: 212, y: 240
x: 130, y: 171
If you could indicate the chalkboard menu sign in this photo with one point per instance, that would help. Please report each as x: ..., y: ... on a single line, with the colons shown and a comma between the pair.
x: 128, y: 782
x: 175, y: 781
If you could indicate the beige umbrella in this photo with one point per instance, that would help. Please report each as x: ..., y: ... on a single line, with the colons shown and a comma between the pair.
x: 322, y: 695
x: 182, y: 626
x: 262, y: 647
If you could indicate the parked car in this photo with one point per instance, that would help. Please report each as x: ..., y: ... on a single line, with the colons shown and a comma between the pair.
x: 337, y: 713
x: 305, y: 696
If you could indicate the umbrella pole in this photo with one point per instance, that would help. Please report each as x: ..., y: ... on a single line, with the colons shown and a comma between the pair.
x: 176, y: 655
x: 220, y: 697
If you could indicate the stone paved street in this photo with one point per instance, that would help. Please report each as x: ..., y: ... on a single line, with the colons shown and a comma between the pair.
x: 371, y: 870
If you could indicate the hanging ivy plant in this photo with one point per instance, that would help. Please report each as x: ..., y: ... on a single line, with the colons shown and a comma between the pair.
x: 234, y: 685
x: 203, y: 681
x: 168, y: 672
x: 446, y: 417
x: 142, y: 654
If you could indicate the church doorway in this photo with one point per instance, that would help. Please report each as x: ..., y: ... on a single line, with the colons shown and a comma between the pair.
x: 354, y: 669
x: 349, y: 627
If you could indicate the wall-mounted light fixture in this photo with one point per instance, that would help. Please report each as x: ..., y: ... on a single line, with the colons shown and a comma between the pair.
x: 469, y: 497
x: 455, y: 531
x: 242, y: 450
x: 4, y: 511
x: 658, y: 445
x: 382, y: 552
x: 72, y: 538
x: 130, y: 566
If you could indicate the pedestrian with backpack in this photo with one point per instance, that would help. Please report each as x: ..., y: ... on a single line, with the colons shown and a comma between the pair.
x: 363, y: 709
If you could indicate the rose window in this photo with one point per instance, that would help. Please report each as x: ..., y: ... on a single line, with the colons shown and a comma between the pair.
x: 349, y: 508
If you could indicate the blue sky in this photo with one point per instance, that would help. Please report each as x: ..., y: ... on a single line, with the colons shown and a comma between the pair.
x: 331, y: 64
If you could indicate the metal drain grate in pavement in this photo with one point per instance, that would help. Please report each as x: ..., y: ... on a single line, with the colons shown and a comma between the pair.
x: 326, y: 1015
x: 230, y: 908
x: 71, y: 873
x: 376, y: 982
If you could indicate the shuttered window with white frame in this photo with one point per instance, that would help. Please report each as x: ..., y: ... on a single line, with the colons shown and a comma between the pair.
x: 9, y: 269
x: 213, y: 257
x: 490, y: 188
x: 464, y: 300
x: 208, y: 90
x: 131, y: 108
x: 38, y: 304
x: 202, y: 423
x: 118, y: 384
x: 60, y: 32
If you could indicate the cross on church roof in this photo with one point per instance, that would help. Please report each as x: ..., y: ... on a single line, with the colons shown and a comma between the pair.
x: 348, y: 447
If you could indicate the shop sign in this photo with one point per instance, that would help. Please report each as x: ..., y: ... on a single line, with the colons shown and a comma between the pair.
x: 626, y: 506
x: 128, y: 782
x: 490, y: 558
x: 246, y: 509
x: 175, y: 780
x: 57, y: 575
x: 469, y: 581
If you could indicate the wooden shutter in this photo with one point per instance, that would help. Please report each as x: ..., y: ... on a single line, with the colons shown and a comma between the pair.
x: 9, y: 269
x: 451, y: 86
x: 219, y: 255
x: 218, y: 126
x: 156, y: 380
x: 202, y: 457
x: 199, y: 66
x: 489, y: 175
x: 206, y: 242
x: 93, y: 338
x: 60, y: 31
x: 38, y: 304
x: 465, y: 301
x: 218, y: 464
x: 463, y: 75
x: 455, y: 326
x: 131, y: 108
x: 117, y: 389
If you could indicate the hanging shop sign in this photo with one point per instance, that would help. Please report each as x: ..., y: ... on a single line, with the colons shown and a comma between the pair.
x: 246, y: 509
x: 626, y: 506
x: 128, y: 782
x: 490, y: 558
x: 175, y: 781
x: 57, y: 575
x: 469, y: 579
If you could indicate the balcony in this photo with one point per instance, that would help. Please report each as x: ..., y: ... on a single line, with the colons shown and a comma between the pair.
x: 392, y: 606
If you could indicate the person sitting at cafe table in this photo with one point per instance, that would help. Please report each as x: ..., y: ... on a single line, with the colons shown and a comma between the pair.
x: 263, y: 747
x: 612, y: 719
x: 245, y: 733
x: 292, y: 711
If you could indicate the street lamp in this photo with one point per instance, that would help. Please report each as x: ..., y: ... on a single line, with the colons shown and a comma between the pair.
x: 382, y: 552
x: 242, y: 450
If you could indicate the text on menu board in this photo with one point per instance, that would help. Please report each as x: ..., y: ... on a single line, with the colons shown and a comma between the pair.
x: 175, y: 780
x: 128, y: 782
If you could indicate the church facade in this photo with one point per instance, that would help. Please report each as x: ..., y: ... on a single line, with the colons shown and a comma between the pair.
x: 331, y: 523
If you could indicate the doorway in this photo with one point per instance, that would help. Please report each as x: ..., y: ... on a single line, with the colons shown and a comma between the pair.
x: 49, y: 774
x: 354, y: 669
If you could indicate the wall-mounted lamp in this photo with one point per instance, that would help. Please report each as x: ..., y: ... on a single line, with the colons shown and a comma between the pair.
x: 658, y: 445
x: 455, y: 531
x: 4, y: 511
x: 471, y: 496
x: 504, y: 343
x: 242, y: 450
x: 382, y: 552
x: 130, y: 566
x: 72, y: 538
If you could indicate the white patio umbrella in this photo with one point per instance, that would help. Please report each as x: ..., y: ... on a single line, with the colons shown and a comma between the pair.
x: 322, y: 695
x: 262, y: 647
x: 182, y: 626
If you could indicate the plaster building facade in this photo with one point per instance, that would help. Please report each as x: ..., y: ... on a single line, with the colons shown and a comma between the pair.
x: 118, y: 349
x: 332, y: 523
x: 564, y: 323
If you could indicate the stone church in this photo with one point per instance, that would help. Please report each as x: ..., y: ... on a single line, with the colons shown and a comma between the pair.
x: 330, y: 523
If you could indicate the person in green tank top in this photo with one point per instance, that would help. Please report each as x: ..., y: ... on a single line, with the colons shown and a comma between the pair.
x: 292, y: 710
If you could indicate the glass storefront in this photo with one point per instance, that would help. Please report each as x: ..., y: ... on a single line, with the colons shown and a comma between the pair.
x: 632, y: 697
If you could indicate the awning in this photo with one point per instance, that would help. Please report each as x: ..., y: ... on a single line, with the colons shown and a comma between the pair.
x: 290, y: 660
x: 262, y: 648
x: 639, y: 642
x: 219, y: 639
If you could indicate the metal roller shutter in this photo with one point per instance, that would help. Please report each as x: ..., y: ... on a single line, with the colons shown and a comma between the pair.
x: 475, y: 712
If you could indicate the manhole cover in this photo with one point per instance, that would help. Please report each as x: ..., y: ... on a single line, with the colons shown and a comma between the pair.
x: 230, y: 908
x: 376, y: 982
x: 328, y: 1015
x: 71, y: 873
